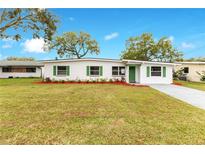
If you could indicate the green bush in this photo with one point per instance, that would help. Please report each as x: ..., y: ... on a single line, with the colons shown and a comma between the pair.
x: 102, y: 80
x: 202, y: 75
x: 178, y: 74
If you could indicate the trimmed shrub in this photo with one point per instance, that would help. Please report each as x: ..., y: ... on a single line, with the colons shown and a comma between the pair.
x: 202, y: 75
x: 47, y: 79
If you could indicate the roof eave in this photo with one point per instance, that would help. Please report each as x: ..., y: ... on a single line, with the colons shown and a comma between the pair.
x: 22, y: 65
x: 127, y: 61
x: 73, y: 60
x: 191, y: 63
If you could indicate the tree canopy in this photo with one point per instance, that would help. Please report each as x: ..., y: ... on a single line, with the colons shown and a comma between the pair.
x: 72, y: 44
x: 41, y: 22
x: 144, y: 47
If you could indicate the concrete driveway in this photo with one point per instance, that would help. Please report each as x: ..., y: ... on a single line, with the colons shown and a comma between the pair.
x: 189, y: 95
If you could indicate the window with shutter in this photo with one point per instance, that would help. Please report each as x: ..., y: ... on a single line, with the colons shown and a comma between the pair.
x: 156, y: 71
x: 94, y: 70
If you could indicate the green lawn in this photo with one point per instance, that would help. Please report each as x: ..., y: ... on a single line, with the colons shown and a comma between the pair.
x: 195, y: 85
x: 95, y: 114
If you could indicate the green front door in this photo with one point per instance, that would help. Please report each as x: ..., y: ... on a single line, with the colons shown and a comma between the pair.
x: 132, y: 74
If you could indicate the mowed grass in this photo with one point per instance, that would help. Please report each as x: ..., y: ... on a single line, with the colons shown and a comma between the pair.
x: 95, y: 114
x: 195, y: 85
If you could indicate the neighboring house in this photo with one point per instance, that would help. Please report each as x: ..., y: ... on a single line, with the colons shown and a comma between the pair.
x: 132, y: 71
x: 190, y: 69
x: 13, y: 69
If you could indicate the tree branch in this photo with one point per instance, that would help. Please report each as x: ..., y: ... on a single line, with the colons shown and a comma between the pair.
x: 14, y: 22
x: 2, y: 16
x: 84, y: 53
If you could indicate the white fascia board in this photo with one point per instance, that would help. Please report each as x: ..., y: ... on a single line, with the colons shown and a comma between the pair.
x: 192, y: 63
x: 127, y: 61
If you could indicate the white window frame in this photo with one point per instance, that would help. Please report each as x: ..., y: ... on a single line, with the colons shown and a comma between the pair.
x: 57, y: 70
x: 118, y: 71
x: 95, y: 70
x: 156, y: 71
x: 115, y: 71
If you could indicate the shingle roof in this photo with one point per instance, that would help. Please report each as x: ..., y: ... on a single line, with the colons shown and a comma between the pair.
x: 20, y: 63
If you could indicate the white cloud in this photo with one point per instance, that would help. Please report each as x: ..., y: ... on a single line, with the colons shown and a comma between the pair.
x: 71, y: 18
x: 186, y: 45
x: 171, y: 38
x: 7, y: 40
x: 6, y: 46
x: 7, y: 43
x: 2, y: 57
x: 111, y: 36
x: 34, y: 45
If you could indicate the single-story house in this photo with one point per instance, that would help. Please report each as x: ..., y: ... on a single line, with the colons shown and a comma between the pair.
x: 190, y: 69
x: 13, y: 69
x: 131, y: 71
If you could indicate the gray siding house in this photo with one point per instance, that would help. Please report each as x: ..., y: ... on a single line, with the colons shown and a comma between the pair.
x: 14, y: 69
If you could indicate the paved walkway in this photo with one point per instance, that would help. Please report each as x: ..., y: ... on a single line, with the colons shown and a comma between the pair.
x: 189, y: 95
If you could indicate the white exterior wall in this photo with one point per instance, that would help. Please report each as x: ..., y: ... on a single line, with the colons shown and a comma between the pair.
x: 137, y: 73
x: 16, y: 74
x: 78, y: 70
x: 156, y: 79
x: 127, y: 74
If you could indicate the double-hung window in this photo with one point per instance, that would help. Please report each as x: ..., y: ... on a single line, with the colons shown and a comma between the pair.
x: 94, y: 70
x: 118, y: 70
x: 121, y: 70
x: 61, y: 70
x: 115, y: 70
x: 155, y: 71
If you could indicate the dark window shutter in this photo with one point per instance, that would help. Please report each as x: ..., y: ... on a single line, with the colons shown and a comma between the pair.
x: 148, y: 71
x: 88, y: 70
x: 54, y: 70
x: 67, y: 70
x: 164, y: 71
x: 101, y: 71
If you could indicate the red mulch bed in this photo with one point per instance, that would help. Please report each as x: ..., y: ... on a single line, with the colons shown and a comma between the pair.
x: 115, y: 83
x: 177, y: 83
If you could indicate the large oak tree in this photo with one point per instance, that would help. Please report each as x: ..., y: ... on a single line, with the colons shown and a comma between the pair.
x: 144, y: 47
x: 77, y: 45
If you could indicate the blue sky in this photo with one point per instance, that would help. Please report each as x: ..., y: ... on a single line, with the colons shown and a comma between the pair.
x: 112, y: 27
